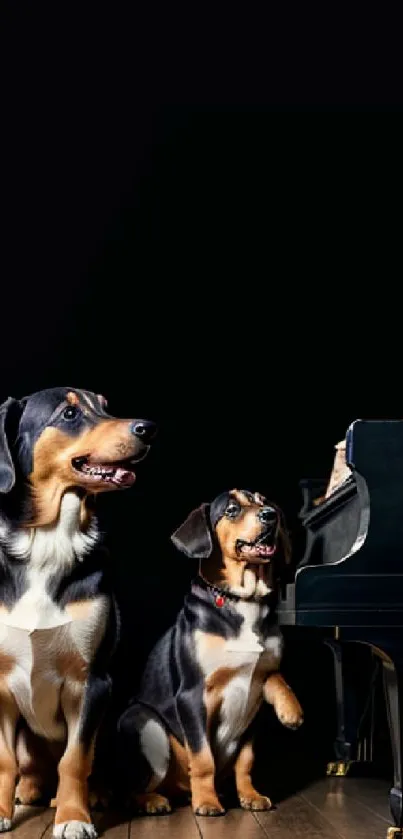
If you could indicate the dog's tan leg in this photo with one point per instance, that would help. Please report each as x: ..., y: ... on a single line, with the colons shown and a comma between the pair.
x: 277, y: 693
x: 249, y: 798
x: 202, y: 770
x: 8, y: 763
x: 72, y: 817
x: 36, y: 768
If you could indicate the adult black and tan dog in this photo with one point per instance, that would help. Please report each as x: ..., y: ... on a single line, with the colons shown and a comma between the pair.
x: 207, y: 677
x: 58, y: 620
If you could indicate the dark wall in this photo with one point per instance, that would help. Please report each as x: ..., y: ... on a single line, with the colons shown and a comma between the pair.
x: 221, y: 268
x: 214, y: 271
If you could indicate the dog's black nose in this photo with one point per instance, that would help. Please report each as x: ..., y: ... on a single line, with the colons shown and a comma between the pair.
x: 145, y: 430
x: 267, y: 515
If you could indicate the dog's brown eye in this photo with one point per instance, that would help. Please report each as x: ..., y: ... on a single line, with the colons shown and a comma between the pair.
x: 70, y: 413
x: 232, y: 511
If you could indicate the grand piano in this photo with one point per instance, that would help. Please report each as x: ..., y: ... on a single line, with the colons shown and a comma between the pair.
x: 349, y: 583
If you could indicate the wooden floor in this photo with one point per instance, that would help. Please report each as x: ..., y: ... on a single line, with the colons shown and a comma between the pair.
x: 335, y: 808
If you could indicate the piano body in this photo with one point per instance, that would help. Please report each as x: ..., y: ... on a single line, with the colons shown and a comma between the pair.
x: 349, y: 582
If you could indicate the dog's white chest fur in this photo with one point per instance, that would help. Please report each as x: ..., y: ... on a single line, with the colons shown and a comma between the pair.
x: 35, y: 610
x: 37, y: 636
x: 247, y: 659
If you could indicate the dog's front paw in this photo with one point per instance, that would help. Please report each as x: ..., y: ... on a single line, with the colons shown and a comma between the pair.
x: 255, y: 802
x: 151, y: 803
x: 289, y: 711
x: 5, y: 824
x: 74, y: 830
x: 211, y: 807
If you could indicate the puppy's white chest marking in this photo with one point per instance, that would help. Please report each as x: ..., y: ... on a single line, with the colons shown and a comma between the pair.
x: 249, y: 642
x: 214, y: 651
x: 248, y: 658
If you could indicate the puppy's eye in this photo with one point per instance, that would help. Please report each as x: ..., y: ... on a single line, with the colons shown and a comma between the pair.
x: 232, y: 511
x: 70, y: 413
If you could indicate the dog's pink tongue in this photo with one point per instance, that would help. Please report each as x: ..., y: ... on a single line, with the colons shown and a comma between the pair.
x: 265, y: 550
x: 123, y: 477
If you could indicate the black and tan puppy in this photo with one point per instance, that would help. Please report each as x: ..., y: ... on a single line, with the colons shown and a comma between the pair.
x: 58, y: 621
x: 207, y: 677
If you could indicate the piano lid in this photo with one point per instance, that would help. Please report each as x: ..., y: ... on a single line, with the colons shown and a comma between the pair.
x: 359, y: 579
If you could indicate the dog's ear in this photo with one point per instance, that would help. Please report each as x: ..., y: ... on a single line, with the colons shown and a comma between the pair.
x: 7, y: 470
x: 193, y: 537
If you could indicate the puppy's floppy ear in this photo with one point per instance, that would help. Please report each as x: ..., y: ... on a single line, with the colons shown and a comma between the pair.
x: 193, y: 537
x: 7, y: 471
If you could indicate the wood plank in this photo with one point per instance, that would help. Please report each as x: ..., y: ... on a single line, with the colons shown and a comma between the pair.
x: 352, y: 819
x: 295, y: 818
x: 371, y: 792
x: 180, y: 824
x: 234, y: 823
x: 30, y: 822
x: 333, y: 808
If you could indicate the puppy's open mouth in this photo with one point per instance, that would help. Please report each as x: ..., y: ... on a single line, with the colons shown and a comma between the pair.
x: 261, y: 550
x: 119, y: 473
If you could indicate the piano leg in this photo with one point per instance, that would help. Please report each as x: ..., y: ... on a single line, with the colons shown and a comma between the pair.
x: 352, y: 748
x: 393, y: 683
x: 342, y: 744
x: 387, y: 646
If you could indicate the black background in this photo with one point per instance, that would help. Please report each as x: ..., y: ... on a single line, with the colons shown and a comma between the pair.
x: 203, y: 222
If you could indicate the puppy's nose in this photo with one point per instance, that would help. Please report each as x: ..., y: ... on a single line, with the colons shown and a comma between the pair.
x: 145, y: 430
x: 267, y: 515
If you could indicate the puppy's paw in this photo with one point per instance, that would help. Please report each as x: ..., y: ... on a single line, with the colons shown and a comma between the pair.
x: 74, y: 830
x: 151, y: 803
x: 255, y: 802
x: 208, y: 808
x: 5, y: 824
x: 289, y: 711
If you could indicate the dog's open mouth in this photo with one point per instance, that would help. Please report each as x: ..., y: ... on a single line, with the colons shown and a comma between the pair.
x: 120, y: 473
x: 260, y: 550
